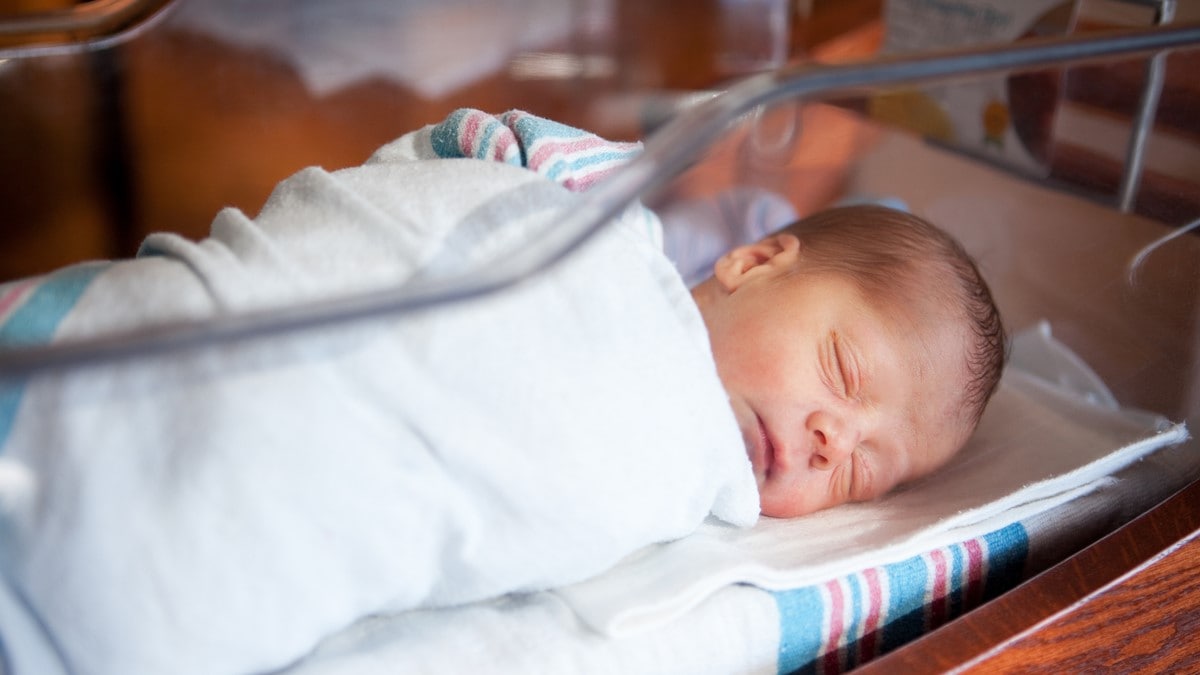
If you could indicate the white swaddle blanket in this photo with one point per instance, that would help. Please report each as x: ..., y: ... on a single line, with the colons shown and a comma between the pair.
x: 221, y: 510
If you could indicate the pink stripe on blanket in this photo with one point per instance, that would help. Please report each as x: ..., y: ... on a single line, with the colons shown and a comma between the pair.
x: 469, y: 132
x: 837, y: 625
x: 973, y: 595
x: 546, y: 148
x: 936, y: 613
x: 868, y: 643
x: 10, y: 298
x: 506, y: 141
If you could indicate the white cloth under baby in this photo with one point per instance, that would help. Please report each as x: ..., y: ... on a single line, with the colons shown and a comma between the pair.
x: 1042, y: 441
x: 221, y: 511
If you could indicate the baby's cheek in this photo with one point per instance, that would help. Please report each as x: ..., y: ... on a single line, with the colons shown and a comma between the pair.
x: 791, y: 500
x: 772, y: 374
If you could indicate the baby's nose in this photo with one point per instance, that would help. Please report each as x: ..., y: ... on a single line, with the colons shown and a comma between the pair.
x: 833, y: 438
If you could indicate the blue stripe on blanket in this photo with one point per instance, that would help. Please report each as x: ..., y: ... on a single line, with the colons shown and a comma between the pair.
x: 908, y: 582
x: 34, y: 323
x: 958, y: 568
x: 841, y: 624
x: 530, y: 128
x: 444, y: 136
x: 860, y: 603
x: 1010, y: 547
x: 801, y: 617
x: 581, y: 164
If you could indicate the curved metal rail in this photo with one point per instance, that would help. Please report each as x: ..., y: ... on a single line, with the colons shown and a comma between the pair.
x: 667, y: 152
x: 87, y: 21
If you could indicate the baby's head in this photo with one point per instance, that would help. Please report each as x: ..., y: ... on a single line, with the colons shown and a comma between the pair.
x: 858, y: 347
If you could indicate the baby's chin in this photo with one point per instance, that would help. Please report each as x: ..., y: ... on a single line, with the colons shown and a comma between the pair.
x: 774, y: 510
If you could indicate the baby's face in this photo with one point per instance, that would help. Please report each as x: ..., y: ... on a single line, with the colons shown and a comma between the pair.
x: 836, y: 401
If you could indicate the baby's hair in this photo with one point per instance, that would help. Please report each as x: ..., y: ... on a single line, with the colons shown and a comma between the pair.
x: 891, y: 253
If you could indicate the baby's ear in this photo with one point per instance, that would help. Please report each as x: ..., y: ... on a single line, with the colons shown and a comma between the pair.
x: 771, y: 254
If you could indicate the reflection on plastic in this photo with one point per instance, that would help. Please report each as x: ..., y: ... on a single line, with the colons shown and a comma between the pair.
x: 74, y: 25
x: 430, y: 46
x: 1135, y: 265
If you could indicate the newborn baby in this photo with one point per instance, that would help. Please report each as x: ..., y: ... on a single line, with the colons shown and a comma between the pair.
x: 858, y: 348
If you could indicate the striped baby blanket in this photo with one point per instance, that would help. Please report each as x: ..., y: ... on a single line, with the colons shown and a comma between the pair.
x: 571, y: 157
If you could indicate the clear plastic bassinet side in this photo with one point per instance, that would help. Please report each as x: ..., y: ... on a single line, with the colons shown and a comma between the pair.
x: 767, y: 109
x: 1043, y: 215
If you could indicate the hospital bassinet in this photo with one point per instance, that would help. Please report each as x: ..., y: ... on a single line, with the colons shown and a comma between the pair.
x: 1070, y: 232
